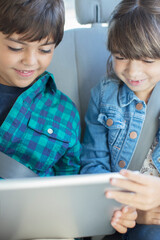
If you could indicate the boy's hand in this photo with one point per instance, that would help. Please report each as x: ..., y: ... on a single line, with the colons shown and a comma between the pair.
x: 149, y: 217
x: 144, y: 190
x: 124, y: 219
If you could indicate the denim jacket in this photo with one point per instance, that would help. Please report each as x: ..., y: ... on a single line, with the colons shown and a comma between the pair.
x: 114, y: 121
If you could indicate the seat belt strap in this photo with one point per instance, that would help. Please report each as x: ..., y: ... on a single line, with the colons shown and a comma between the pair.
x: 10, y: 168
x: 149, y: 130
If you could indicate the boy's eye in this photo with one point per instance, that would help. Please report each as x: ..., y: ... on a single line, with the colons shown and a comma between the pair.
x: 45, y: 51
x: 14, y: 49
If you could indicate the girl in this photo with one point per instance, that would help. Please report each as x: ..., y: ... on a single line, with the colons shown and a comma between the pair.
x: 118, y: 103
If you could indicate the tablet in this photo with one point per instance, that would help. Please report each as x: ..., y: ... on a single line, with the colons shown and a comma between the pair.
x: 56, y: 207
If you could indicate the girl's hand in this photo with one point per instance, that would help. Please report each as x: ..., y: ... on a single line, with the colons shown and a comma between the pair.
x: 149, y: 217
x: 144, y: 190
x: 124, y: 219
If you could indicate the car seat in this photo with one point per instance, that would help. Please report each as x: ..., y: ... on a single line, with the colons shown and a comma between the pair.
x: 79, y: 61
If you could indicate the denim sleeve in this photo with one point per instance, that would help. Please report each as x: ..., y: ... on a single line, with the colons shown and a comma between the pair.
x: 95, y: 157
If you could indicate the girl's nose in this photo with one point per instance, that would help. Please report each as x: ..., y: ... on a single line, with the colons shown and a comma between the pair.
x: 134, y: 68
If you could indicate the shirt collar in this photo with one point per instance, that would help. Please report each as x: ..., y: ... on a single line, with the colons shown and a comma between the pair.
x: 48, y: 77
x: 44, y: 81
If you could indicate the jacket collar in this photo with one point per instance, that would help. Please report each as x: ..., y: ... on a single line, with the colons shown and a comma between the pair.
x: 126, y: 95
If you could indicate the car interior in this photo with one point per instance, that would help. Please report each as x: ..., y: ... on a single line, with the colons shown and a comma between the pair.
x: 79, y: 62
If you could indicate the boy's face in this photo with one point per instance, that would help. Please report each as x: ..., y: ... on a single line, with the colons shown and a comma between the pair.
x: 140, y: 76
x: 22, y: 62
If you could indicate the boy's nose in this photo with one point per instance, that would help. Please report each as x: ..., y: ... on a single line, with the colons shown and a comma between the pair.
x: 29, y: 58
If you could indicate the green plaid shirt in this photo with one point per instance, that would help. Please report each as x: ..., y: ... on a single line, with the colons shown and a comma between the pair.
x: 42, y: 130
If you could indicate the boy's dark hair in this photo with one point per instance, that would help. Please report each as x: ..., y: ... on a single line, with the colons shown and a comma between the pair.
x: 33, y: 19
x: 134, y: 30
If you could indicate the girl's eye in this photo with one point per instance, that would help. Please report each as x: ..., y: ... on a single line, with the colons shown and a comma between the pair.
x: 14, y: 49
x: 119, y: 58
x: 148, y: 61
x: 45, y: 51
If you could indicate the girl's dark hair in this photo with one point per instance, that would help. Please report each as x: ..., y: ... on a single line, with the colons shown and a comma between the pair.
x: 134, y: 30
x: 33, y: 19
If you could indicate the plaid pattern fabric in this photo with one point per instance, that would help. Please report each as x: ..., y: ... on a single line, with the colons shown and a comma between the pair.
x: 42, y: 130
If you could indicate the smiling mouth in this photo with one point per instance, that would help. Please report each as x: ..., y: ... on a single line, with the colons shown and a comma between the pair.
x: 25, y: 73
x: 136, y: 82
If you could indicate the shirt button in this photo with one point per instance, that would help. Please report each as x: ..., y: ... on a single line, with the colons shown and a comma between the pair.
x: 50, y: 130
x: 139, y: 106
x: 109, y: 122
x: 122, y: 164
x: 133, y: 135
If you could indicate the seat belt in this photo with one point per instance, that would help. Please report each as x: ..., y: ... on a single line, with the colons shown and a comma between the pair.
x: 149, y: 130
x: 10, y: 168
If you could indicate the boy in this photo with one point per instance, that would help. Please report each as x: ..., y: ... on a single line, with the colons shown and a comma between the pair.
x: 39, y: 125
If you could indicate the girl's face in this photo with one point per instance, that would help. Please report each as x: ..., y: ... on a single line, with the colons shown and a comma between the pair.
x: 140, y: 76
x: 22, y: 62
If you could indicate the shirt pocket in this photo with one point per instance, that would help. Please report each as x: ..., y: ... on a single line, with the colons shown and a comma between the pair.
x: 46, y: 141
x: 114, y: 124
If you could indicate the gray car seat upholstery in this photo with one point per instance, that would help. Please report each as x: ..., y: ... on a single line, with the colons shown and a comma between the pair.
x: 79, y: 62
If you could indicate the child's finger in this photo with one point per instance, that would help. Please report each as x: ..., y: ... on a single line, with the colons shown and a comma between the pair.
x: 128, y: 209
x: 126, y: 198
x: 135, y: 176
x: 118, y: 227
x: 123, y: 197
x: 127, y: 185
x: 130, y: 215
x: 125, y: 223
x: 117, y: 214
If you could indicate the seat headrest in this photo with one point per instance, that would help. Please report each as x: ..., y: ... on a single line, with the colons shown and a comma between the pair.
x: 94, y: 11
